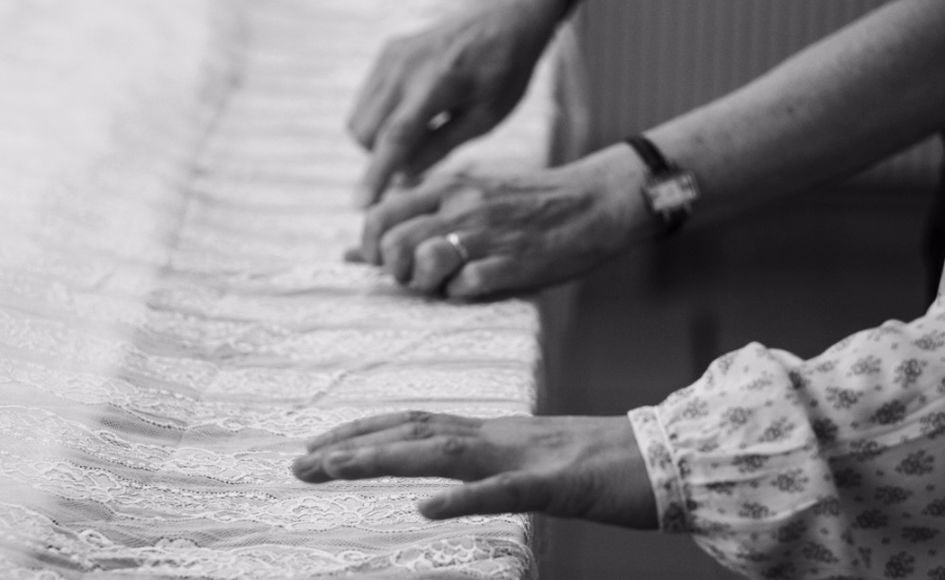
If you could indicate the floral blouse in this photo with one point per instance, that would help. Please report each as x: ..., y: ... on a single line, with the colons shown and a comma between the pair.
x: 832, y: 467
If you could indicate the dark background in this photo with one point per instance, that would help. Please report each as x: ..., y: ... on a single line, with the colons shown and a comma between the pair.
x: 799, y: 274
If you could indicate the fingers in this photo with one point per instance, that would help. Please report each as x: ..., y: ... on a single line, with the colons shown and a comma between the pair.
x: 411, y: 431
x: 462, y: 127
x: 375, y: 431
x: 393, y: 211
x: 434, y: 261
x: 399, y: 244
x: 353, y: 256
x: 376, y: 98
x: 452, y: 456
x: 322, y: 465
x: 366, y: 425
x: 417, y: 253
x: 405, y: 131
x: 407, y: 235
x: 437, y: 265
x: 382, y: 423
x: 483, y: 277
x: 511, y: 492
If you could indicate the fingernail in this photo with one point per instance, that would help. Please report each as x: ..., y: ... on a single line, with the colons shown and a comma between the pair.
x: 306, y: 465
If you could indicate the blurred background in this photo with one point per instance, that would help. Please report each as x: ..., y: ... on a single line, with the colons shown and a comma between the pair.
x: 799, y: 274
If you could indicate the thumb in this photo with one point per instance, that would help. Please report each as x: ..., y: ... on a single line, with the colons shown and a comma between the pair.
x: 511, y: 492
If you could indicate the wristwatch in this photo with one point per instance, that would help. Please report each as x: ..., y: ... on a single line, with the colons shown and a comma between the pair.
x: 669, y: 190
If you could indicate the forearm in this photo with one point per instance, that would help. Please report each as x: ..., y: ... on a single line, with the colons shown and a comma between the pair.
x: 840, y: 105
x: 767, y: 456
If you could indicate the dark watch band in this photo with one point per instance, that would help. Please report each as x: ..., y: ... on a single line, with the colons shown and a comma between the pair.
x: 669, y: 190
x: 649, y: 153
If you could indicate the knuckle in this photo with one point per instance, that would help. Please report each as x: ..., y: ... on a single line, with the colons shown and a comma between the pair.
x: 427, y: 254
x: 341, y: 446
x: 506, y: 481
x: 420, y: 431
x: 476, y: 279
x: 428, y: 266
x: 452, y: 446
x: 419, y: 416
x: 391, y: 248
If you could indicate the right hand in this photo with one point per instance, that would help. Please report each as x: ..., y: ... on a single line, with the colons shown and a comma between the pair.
x: 436, y: 89
x: 572, y: 467
x: 520, y: 232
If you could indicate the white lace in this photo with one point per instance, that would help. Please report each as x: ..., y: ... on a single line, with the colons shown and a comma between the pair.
x: 174, y: 316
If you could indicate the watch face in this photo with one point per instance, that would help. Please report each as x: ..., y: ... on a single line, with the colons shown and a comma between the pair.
x: 672, y: 193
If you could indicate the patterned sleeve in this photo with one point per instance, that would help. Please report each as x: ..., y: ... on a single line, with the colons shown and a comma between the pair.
x: 828, y: 468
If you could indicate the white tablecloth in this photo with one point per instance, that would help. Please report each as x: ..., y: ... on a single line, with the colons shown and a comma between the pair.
x: 174, y: 316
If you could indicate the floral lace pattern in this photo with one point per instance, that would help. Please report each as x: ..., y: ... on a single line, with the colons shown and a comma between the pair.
x: 175, y: 319
x: 826, y: 468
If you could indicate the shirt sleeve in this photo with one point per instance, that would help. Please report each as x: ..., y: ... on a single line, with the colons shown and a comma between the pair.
x: 832, y: 467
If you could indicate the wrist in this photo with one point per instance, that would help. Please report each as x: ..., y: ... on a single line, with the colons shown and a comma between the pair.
x: 670, y: 190
x: 623, y: 175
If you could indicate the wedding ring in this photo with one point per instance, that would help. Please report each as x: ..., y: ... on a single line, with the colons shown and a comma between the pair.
x: 453, y: 240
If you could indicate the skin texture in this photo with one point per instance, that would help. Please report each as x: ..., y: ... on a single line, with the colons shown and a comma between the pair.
x: 839, y: 106
x: 572, y: 467
x: 820, y: 116
x: 520, y: 232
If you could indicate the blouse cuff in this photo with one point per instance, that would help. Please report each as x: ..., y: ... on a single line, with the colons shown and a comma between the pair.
x: 661, y: 469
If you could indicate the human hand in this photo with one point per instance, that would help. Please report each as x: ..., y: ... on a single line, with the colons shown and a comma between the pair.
x: 434, y: 90
x: 520, y: 233
x: 575, y: 467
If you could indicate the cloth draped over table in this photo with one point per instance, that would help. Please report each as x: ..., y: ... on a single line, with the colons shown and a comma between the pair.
x: 174, y: 317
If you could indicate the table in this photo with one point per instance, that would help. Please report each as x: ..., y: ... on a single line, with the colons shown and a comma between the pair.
x: 175, y: 319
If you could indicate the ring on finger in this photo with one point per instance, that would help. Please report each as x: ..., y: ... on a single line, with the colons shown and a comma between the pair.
x: 453, y: 239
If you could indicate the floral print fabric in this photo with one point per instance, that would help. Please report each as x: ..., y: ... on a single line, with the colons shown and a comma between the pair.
x: 832, y: 467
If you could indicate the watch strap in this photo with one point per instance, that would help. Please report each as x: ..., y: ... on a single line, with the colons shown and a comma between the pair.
x: 650, y: 154
x: 669, y: 191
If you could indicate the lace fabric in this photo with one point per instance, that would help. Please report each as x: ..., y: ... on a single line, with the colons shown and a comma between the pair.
x: 175, y: 320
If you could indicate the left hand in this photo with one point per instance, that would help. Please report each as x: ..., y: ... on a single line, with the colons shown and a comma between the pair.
x: 520, y: 232
x: 576, y: 467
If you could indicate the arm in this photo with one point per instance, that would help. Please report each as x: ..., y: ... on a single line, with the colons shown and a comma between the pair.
x: 831, y: 467
x: 836, y: 107
x: 840, y: 105
x: 780, y: 468
x: 432, y: 91
x: 577, y: 467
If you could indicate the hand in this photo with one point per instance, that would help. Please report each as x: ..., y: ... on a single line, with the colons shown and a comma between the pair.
x: 576, y: 467
x: 520, y: 233
x: 434, y: 90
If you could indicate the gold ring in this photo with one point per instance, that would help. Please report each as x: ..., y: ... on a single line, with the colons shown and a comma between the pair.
x: 453, y: 240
